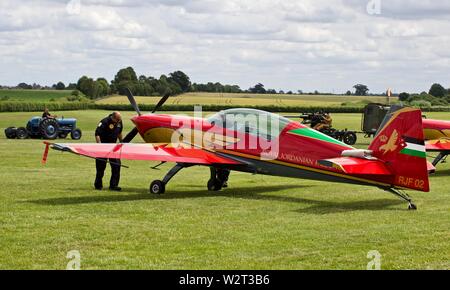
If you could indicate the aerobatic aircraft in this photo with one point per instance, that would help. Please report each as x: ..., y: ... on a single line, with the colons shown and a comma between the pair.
x: 260, y: 142
x: 437, y: 134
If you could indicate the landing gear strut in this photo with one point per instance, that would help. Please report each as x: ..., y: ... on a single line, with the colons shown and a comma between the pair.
x: 442, y: 156
x: 159, y: 186
x: 404, y: 196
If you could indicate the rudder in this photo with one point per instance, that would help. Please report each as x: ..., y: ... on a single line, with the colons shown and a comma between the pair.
x: 400, y: 144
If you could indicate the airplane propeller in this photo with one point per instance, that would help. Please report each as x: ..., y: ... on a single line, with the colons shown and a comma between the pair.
x: 132, y: 101
x: 133, y: 133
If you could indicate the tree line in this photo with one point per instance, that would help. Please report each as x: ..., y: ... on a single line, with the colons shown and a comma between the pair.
x: 178, y: 82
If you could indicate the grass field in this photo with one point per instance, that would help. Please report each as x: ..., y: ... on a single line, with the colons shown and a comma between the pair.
x: 249, y: 99
x: 32, y: 95
x: 260, y: 222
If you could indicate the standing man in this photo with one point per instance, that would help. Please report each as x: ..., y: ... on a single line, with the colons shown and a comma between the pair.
x: 108, y: 131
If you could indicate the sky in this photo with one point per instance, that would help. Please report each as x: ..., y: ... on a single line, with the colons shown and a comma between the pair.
x: 324, y: 45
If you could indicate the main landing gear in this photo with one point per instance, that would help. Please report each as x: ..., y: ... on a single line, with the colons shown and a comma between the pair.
x: 217, y: 181
x: 404, y: 196
x: 159, y: 186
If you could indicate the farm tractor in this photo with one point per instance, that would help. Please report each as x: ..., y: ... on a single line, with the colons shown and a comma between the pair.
x: 46, y: 128
x: 322, y: 122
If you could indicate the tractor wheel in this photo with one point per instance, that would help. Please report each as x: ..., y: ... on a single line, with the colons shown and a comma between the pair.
x: 76, y: 134
x: 350, y: 138
x: 49, y: 128
x: 22, y: 133
x: 11, y: 133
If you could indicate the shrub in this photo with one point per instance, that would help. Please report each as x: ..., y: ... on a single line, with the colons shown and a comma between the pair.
x: 421, y: 104
x: 429, y: 98
x: 404, y: 97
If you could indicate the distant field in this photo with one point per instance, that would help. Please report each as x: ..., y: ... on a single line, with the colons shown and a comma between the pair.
x: 32, y: 95
x: 249, y: 100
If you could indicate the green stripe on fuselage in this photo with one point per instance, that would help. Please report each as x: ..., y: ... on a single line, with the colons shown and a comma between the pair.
x: 308, y: 132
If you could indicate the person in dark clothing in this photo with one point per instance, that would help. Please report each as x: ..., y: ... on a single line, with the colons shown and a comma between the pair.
x: 47, y: 114
x: 108, y: 131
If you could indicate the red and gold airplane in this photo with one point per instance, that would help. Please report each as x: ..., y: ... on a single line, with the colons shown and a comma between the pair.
x: 437, y: 134
x: 260, y: 142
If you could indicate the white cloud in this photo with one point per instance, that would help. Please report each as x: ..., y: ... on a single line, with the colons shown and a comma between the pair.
x: 325, y: 45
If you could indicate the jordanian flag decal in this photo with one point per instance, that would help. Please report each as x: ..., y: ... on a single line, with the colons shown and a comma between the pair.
x: 414, y: 147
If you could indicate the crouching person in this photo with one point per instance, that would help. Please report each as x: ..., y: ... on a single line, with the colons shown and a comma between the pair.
x: 109, y: 130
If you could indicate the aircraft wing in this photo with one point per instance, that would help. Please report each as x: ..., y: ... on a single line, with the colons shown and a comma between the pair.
x: 178, y: 153
x: 438, y: 145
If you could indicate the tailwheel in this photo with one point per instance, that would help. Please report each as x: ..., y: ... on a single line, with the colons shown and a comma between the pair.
x: 157, y: 187
x: 412, y: 206
x: 404, y: 196
x: 214, y: 185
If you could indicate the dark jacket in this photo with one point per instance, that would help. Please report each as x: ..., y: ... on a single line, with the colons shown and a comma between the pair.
x: 108, y: 131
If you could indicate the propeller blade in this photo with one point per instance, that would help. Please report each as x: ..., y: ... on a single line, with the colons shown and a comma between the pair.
x: 161, y: 102
x: 132, y: 101
x: 130, y: 135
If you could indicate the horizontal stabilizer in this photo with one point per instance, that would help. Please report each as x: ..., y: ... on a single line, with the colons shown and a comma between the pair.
x: 357, y: 166
x: 438, y: 145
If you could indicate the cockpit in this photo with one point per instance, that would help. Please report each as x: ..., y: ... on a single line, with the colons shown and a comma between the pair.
x: 250, y: 121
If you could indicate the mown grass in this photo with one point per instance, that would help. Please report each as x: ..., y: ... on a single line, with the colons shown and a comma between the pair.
x: 32, y: 95
x: 251, y: 100
x: 260, y: 222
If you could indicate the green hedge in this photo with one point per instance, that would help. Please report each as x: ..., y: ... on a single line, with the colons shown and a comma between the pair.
x: 72, y: 106
x: 36, y: 107
x: 215, y: 108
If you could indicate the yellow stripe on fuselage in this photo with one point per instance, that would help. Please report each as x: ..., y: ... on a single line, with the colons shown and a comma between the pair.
x: 306, y: 168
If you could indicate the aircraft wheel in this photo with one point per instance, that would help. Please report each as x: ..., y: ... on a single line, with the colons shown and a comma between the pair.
x: 157, y: 187
x: 214, y: 185
x: 412, y: 206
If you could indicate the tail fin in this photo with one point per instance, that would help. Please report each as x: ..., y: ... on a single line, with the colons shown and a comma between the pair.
x: 400, y: 143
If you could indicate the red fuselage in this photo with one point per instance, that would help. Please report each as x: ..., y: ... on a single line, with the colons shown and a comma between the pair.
x: 300, y: 148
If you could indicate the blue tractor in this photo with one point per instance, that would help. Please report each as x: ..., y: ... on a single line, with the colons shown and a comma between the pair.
x: 47, y: 128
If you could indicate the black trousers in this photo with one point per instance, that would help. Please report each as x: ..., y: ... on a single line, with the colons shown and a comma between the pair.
x: 100, y: 165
